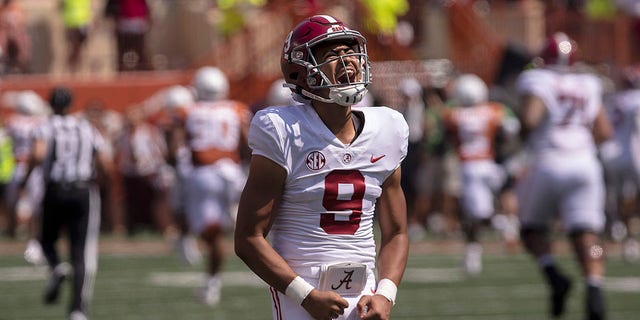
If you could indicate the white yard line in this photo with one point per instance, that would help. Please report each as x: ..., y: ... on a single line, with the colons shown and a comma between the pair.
x: 249, y: 279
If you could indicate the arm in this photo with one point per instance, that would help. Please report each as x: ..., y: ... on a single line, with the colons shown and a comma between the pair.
x: 244, y: 150
x: 107, y: 173
x: 262, y: 192
x: 258, y: 208
x: 38, y: 154
x: 394, y: 246
x: 176, y: 138
x: 532, y: 111
x: 106, y: 165
x: 602, y: 128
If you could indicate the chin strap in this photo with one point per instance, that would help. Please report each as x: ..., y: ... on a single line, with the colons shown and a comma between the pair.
x: 348, y: 95
x: 344, y: 96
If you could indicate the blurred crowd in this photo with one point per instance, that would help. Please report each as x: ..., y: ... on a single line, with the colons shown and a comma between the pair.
x: 131, y: 24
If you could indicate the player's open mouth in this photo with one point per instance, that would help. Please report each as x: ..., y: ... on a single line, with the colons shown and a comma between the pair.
x: 346, y: 77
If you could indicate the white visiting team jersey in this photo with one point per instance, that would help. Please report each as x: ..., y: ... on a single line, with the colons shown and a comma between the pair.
x: 20, y: 128
x: 623, y: 150
x: 572, y: 100
x: 621, y: 155
x: 565, y: 176
x: 327, y: 210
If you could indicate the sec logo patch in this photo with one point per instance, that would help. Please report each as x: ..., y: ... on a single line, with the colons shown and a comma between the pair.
x: 315, y: 160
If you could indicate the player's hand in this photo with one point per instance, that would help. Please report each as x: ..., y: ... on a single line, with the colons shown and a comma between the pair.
x: 324, y: 305
x: 375, y: 307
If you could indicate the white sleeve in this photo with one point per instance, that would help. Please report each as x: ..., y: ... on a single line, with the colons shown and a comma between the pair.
x: 264, y: 139
x: 403, y: 131
x: 41, y: 132
x: 531, y: 82
x: 100, y: 142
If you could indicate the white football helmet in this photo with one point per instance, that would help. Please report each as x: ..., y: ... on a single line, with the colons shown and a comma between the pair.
x: 210, y: 83
x: 178, y: 97
x: 410, y: 87
x: 469, y: 89
x: 29, y: 103
x: 279, y: 94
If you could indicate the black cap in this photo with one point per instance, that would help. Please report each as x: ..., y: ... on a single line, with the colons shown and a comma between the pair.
x: 60, y: 99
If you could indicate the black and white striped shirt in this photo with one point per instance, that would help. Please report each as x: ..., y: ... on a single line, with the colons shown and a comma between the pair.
x: 72, y: 144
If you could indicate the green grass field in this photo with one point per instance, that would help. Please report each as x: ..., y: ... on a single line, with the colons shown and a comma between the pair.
x: 153, y: 285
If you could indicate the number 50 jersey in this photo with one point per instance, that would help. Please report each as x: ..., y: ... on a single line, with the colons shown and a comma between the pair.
x: 327, y: 210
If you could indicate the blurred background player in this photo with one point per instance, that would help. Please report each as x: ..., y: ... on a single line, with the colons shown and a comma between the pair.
x: 621, y: 161
x: 563, y: 120
x: 437, y: 182
x: 110, y: 124
x: 141, y: 153
x: 412, y: 108
x: 70, y: 151
x: 24, y: 209
x: 214, y: 130
x: 176, y: 99
x: 473, y: 124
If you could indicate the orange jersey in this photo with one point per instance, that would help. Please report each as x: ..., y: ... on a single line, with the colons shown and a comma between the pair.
x: 215, y: 130
x: 474, y: 129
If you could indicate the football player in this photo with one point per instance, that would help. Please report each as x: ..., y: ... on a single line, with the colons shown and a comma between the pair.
x: 176, y: 99
x: 563, y: 121
x: 621, y: 162
x: 473, y: 125
x: 24, y: 208
x: 215, y: 130
x: 318, y: 172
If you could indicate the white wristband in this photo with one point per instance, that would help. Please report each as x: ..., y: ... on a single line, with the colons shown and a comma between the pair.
x: 387, y: 289
x: 298, y: 289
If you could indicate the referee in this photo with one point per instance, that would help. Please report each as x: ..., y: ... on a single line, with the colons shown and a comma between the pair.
x: 70, y: 150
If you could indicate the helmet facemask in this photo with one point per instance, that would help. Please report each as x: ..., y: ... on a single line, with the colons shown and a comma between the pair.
x: 350, y: 89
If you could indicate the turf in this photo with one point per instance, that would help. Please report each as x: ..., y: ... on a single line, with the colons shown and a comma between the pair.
x: 158, y: 286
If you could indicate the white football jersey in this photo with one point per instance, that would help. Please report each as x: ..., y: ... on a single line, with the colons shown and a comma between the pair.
x: 20, y: 128
x: 573, y: 101
x: 566, y: 177
x: 327, y: 210
x: 623, y: 109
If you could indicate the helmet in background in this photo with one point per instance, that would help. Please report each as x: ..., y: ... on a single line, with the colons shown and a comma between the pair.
x: 278, y: 94
x: 210, y: 83
x: 559, y: 50
x: 29, y: 103
x: 410, y: 87
x: 301, y: 70
x: 178, y: 97
x: 469, y: 89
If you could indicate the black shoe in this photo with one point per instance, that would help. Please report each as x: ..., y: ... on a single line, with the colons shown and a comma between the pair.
x: 560, y: 288
x: 59, y: 274
x: 595, y: 303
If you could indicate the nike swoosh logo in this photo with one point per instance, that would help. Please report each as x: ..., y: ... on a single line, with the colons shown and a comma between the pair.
x: 375, y: 159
